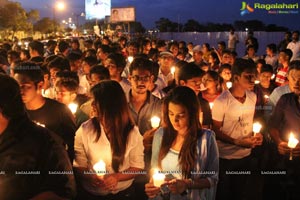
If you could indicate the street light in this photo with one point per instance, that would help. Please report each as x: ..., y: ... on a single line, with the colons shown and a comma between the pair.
x: 58, y: 6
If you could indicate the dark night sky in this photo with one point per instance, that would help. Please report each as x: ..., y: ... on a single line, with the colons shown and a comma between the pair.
x: 149, y: 11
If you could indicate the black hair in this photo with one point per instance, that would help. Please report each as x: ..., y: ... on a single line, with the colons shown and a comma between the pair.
x: 100, y: 70
x: 189, y: 71
x: 243, y: 65
x: 31, y: 70
x: 141, y: 64
x: 37, y: 46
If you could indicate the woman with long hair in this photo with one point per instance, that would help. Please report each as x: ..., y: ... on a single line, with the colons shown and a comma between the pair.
x: 183, y: 151
x: 112, y: 140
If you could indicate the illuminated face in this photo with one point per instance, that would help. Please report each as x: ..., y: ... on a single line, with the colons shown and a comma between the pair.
x: 166, y: 61
x: 265, y: 78
x: 112, y: 68
x: 132, y: 51
x: 94, y: 79
x: 226, y: 74
x: 246, y: 80
x: 294, y: 81
x: 28, y: 89
x: 282, y: 58
x: 227, y: 58
x: 198, y: 56
x: 64, y: 96
x: 208, y: 81
x: 178, y: 117
x: 140, y: 81
x: 174, y: 49
x: 194, y: 84
x: 86, y: 68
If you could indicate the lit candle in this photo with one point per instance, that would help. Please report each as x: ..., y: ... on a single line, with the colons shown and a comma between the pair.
x: 229, y: 85
x: 73, y: 107
x: 292, y: 144
x: 266, y: 96
x: 256, y: 82
x: 130, y: 59
x: 256, y: 127
x: 155, y: 121
x: 211, y: 105
x: 158, y: 178
x: 42, y: 125
x: 173, y: 70
x: 201, y: 117
x: 100, y: 168
x: 292, y: 141
x: 273, y: 76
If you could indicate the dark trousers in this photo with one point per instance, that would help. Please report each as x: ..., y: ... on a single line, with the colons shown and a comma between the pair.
x: 127, y: 194
x: 233, y: 186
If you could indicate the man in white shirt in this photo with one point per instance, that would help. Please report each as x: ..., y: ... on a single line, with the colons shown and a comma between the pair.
x: 232, y: 114
x: 294, y: 45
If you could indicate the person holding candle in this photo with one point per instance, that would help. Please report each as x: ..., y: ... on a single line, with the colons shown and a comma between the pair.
x: 66, y: 88
x: 56, y: 116
x: 233, y: 114
x: 284, y: 121
x: 183, y: 150
x: 112, y: 138
x: 30, y: 154
x: 211, y: 81
x: 191, y: 75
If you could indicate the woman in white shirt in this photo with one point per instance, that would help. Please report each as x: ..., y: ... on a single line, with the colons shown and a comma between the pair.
x: 112, y: 138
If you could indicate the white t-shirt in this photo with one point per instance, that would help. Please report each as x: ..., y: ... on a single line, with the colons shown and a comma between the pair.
x: 88, y: 153
x: 295, y: 48
x: 237, y: 121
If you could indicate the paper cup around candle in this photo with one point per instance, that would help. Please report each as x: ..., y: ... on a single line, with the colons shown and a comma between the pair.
x: 292, y: 141
x: 229, y: 85
x: 73, y: 107
x: 158, y: 178
x: 100, y: 168
x: 130, y: 59
x: 155, y: 122
x: 256, y: 127
x: 173, y: 70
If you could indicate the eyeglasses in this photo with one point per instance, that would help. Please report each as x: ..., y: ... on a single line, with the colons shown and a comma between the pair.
x: 141, y: 78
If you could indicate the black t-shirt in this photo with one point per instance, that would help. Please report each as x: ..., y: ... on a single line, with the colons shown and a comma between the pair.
x: 28, y: 153
x: 58, y: 118
x: 205, y: 108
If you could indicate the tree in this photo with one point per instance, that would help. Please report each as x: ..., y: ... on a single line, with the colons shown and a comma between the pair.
x: 192, y: 25
x: 165, y: 25
x: 14, y: 18
x: 45, y: 25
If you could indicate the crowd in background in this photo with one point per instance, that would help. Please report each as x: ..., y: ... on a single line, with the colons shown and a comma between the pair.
x: 97, y: 99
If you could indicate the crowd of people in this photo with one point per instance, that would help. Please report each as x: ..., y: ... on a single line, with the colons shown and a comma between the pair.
x: 77, y: 120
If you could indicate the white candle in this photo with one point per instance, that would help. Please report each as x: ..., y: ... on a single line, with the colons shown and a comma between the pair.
x: 158, y: 178
x: 211, y: 105
x: 155, y: 121
x: 73, y: 107
x: 130, y: 59
x: 292, y: 141
x: 256, y: 127
x: 100, y: 168
x: 229, y: 85
x: 256, y: 82
x: 173, y: 70
x: 266, y: 96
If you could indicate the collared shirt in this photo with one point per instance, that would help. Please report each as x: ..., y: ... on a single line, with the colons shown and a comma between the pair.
x: 88, y: 152
x: 28, y: 148
x: 286, y: 116
x: 165, y: 78
x: 150, y: 108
